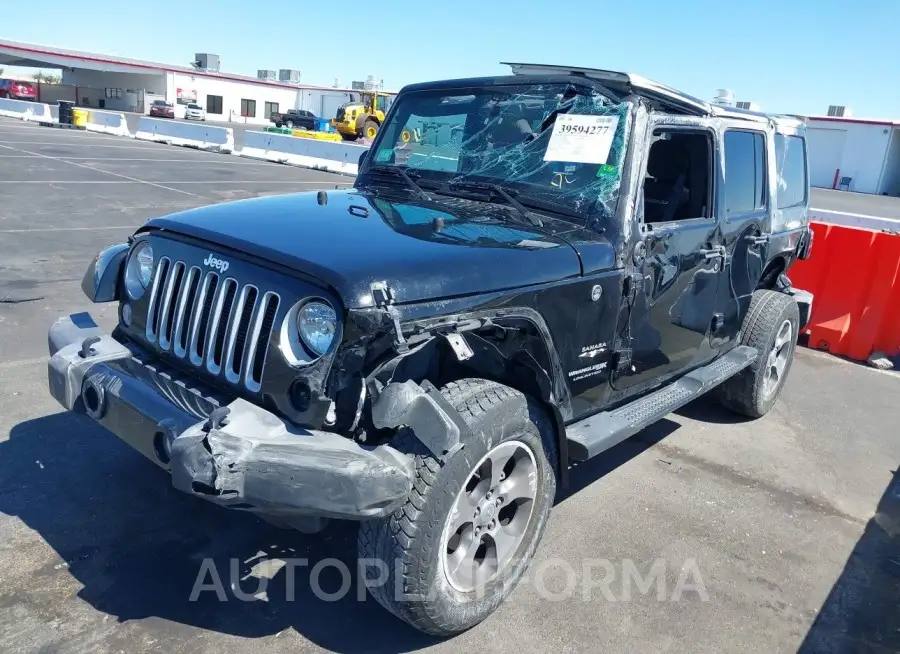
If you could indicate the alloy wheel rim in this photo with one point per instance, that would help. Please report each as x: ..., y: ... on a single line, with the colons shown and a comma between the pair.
x: 777, y: 359
x: 490, y: 516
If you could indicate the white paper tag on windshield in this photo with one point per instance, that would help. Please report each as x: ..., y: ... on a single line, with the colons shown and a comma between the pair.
x: 579, y: 138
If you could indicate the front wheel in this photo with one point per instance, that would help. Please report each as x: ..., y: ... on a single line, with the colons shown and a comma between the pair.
x: 289, y: 124
x: 771, y: 326
x: 370, y: 129
x: 449, y: 557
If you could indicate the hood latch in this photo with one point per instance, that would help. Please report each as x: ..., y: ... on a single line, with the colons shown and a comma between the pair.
x: 383, y: 296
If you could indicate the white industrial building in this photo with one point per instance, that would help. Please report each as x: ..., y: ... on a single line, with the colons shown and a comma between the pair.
x: 854, y: 154
x: 846, y: 153
x: 121, y: 84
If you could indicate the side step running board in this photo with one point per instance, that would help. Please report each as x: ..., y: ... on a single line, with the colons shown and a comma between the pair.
x: 589, y: 437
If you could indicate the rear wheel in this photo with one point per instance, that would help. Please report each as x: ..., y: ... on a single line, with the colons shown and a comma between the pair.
x: 771, y: 326
x: 472, y: 523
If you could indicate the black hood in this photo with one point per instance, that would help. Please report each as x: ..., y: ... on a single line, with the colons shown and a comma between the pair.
x: 423, y: 249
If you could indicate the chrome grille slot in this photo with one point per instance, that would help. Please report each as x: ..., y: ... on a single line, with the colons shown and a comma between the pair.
x: 201, y: 318
x: 210, y: 321
x: 259, y: 340
x: 219, y: 327
x: 159, y: 282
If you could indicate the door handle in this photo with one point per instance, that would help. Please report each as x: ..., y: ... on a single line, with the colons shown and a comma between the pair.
x: 762, y: 239
x: 717, y: 252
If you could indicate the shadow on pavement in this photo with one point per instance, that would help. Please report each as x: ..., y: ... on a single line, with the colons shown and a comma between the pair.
x: 138, y: 546
x: 583, y: 474
x: 862, y: 611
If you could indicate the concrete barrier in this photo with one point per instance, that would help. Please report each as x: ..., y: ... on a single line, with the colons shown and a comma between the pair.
x: 173, y: 132
x: 107, y: 122
x: 306, y: 153
x: 24, y: 110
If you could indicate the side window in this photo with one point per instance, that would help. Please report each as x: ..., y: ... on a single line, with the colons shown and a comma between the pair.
x: 678, y: 181
x: 790, y: 166
x: 745, y: 172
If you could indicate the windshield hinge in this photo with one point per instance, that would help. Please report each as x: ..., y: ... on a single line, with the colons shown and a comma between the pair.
x: 383, y: 296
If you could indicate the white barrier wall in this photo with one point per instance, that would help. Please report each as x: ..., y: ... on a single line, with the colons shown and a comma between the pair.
x: 862, y: 221
x: 333, y: 156
x: 107, y: 122
x: 202, y: 136
x: 24, y: 110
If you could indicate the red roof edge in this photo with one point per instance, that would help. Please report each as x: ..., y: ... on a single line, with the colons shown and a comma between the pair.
x: 172, y: 69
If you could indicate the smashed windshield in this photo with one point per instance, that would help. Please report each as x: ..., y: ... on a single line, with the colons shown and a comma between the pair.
x: 557, y: 145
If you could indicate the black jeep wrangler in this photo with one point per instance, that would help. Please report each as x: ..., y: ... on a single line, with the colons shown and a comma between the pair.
x: 560, y: 258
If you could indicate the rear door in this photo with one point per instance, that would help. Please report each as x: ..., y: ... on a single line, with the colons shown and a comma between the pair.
x: 746, y: 204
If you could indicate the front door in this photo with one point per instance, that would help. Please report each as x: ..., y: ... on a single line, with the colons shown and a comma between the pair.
x: 679, y: 261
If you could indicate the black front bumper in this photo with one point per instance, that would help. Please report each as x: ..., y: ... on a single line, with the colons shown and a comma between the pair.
x: 250, y: 460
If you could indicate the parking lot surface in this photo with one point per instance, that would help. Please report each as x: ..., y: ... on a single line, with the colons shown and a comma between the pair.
x: 775, y: 535
x: 882, y: 206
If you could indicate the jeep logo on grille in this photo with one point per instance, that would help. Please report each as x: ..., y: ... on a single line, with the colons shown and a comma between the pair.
x: 219, y: 264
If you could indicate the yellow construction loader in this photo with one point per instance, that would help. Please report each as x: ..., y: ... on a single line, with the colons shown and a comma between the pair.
x: 362, y: 117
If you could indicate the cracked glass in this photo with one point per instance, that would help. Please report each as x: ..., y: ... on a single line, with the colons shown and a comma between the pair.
x: 555, y: 146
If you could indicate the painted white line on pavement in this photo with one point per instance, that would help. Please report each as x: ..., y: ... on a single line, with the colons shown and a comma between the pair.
x: 105, y: 172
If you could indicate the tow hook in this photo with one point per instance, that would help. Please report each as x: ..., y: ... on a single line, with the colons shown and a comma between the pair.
x: 86, y: 350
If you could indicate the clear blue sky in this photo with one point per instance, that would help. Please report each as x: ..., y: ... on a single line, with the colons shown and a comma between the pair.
x: 794, y: 56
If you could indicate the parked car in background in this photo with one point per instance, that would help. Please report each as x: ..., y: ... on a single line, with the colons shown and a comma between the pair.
x: 162, y: 109
x: 300, y: 118
x: 194, y: 112
x: 17, y: 90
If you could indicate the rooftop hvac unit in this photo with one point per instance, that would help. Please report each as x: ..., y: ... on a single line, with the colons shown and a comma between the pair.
x: 750, y: 106
x: 724, y: 97
x: 289, y: 76
x: 357, y: 85
x: 208, y: 62
x: 839, y: 111
x: 268, y: 75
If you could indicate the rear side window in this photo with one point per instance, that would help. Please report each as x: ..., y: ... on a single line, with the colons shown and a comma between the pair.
x: 745, y: 172
x: 790, y: 166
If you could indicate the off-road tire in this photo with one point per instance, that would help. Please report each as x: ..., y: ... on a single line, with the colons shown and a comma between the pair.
x: 409, y: 542
x: 370, y: 124
x: 743, y: 393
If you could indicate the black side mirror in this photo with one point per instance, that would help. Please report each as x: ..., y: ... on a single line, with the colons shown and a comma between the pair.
x: 362, y: 158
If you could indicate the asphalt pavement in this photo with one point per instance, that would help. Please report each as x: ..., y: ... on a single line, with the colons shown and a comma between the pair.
x: 882, y: 206
x: 713, y: 534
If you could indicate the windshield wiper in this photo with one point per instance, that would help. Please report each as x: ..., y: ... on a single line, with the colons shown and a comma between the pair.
x: 399, y: 171
x: 502, y: 192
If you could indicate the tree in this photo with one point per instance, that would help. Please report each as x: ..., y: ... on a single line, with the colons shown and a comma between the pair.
x: 46, y: 78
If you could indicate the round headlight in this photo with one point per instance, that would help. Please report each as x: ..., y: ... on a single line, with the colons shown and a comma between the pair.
x: 139, y: 270
x: 317, y: 324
